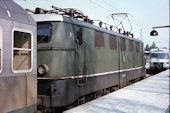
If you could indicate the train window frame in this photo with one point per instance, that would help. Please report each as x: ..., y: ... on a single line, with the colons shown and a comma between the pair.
x: 131, y: 45
x: 50, y: 32
x: 22, y: 49
x: 99, y: 44
x: 1, y: 48
x: 113, y: 42
x: 137, y: 47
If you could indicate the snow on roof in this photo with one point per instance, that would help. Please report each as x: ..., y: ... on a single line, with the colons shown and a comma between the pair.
x: 157, y: 50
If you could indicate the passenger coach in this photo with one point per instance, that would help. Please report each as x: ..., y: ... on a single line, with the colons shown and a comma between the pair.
x: 18, y: 78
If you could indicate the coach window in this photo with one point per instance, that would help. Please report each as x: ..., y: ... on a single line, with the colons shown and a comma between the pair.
x: 44, y: 31
x: 123, y: 44
x: 131, y: 46
x: 112, y: 41
x: 1, y: 49
x: 99, y: 39
x: 137, y: 47
x: 22, y: 51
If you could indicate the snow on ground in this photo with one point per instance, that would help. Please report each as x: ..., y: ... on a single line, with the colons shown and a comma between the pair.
x: 150, y: 95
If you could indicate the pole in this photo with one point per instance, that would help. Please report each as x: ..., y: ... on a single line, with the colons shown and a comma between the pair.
x: 141, y: 36
x: 161, y: 26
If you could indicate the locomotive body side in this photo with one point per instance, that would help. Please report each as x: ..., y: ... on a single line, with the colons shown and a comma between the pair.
x: 18, y: 78
x: 80, y: 59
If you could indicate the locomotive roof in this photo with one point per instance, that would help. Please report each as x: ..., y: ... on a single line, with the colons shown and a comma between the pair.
x: 9, y: 10
x: 60, y: 18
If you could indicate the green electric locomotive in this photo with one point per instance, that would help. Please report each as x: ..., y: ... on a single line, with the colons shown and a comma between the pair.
x: 78, y: 61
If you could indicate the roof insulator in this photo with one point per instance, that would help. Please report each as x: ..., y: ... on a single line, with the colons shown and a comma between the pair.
x: 100, y: 24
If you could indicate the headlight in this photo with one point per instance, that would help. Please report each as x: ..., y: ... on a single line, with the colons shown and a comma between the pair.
x: 43, y: 69
x: 166, y: 63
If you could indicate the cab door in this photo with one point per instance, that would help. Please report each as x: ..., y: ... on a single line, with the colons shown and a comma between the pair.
x: 80, y: 51
x: 80, y: 57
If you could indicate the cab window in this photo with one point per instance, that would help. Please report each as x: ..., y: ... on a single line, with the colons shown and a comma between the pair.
x: 22, y: 51
x: 44, y: 32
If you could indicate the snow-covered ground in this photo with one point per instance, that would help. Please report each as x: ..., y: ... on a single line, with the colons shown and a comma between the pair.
x: 150, y: 95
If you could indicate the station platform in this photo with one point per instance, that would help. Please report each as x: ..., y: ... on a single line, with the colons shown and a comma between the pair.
x: 150, y: 95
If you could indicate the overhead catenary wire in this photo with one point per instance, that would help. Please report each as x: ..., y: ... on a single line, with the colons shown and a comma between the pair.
x: 111, y: 6
x: 107, y: 3
x: 97, y: 4
x: 122, y: 11
x: 112, y: 12
x: 137, y: 24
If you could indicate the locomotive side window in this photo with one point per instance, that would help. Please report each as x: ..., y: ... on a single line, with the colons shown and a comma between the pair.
x: 44, y: 31
x: 1, y: 49
x: 123, y: 44
x: 131, y: 46
x: 137, y: 46
x: 22, y: 51
x: 112, y: 41
x: 99, y: 39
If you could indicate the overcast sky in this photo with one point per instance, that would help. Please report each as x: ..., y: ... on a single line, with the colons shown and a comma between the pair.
x: 143, y: 14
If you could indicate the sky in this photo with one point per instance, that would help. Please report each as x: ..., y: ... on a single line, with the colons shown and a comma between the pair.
x: 143, y: 14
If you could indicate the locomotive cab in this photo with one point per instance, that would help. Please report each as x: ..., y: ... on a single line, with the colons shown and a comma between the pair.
x: 55, y: 40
